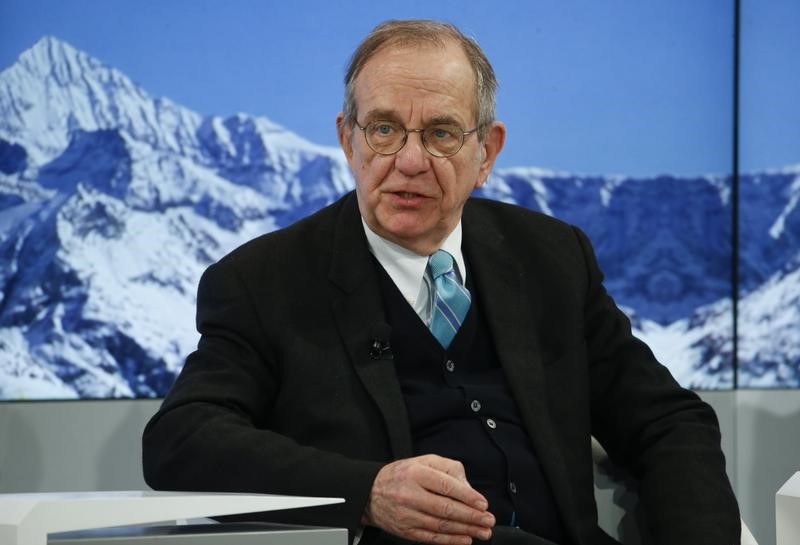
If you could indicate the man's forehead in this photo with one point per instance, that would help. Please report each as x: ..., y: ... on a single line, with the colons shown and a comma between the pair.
x: 446, y: 48
x: 441, y: 70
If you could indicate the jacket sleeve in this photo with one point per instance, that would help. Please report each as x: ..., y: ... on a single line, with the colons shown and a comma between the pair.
x: 217, y: 431
x: 663, y: 433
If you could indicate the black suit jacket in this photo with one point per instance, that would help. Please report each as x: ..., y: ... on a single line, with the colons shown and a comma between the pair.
x: 283, y: 397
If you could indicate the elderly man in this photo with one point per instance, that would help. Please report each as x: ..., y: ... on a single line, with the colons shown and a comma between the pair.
x: 440, y: 362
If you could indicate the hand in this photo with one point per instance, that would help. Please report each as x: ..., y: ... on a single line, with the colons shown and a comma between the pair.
x: 428, y: 499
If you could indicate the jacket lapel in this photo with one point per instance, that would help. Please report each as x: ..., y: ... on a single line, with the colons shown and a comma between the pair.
x: 358, y: 310
x: 507, y: 292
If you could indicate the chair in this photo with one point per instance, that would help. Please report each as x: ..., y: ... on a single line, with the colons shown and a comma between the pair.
x: 617, y: 501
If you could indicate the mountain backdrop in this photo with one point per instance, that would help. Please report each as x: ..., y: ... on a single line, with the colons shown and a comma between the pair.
x: 113, y: 202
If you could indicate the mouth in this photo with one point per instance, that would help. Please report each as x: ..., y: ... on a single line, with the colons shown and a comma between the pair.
x: 406, y: 199
x: 405, y: 193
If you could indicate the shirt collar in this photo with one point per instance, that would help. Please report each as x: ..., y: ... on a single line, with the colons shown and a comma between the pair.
x: 406, y: 268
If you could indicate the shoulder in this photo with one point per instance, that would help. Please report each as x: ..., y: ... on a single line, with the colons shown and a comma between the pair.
x: 519, y: 225
x: 554, y: 249
x: 307, y: 238
x: 505, y: 215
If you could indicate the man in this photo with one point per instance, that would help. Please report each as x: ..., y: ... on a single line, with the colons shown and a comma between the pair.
x: 336, y: 359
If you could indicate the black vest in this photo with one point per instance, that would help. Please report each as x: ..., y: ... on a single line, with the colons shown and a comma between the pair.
x: 460, y: 407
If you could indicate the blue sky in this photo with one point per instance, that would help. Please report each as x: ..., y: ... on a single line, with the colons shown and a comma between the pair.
x: 770, y: 88
x: 620, y: 86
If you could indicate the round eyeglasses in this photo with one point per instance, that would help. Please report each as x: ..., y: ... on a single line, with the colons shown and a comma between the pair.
x: 389, y: 137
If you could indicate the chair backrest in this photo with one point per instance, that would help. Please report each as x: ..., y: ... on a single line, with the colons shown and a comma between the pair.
x: 618, y: 502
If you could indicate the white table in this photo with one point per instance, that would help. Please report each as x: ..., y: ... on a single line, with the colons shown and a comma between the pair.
x: 787, y: 512
x: 26, y: 519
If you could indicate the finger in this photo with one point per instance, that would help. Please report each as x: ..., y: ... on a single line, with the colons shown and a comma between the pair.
x: 447, y: 465
x: 455, y: 469
x: 446, y: 485
x: 413, y: 523
x: 438, y: 530
x: 452, y: 511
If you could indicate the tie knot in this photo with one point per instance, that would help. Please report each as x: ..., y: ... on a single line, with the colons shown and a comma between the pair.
x: 440, y: 263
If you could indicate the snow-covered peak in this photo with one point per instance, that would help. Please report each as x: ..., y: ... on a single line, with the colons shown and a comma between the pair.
x: 53, y: 58
x: 54, y: 89
x: 54, y: 93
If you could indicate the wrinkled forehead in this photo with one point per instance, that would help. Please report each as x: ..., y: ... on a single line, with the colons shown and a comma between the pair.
x: 440, y: 67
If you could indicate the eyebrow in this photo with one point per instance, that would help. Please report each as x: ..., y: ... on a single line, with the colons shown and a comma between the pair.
x: 390, y: 115
x: 442, y: 119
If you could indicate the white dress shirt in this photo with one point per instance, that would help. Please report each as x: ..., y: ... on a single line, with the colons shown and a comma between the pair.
x: 408, y: 270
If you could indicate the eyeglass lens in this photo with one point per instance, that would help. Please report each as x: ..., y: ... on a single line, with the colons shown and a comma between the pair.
x: 388, y: 137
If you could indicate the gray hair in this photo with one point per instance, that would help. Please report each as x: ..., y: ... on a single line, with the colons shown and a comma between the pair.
x: 423, y: 31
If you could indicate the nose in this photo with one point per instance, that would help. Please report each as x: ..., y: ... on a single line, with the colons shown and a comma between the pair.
x: 413, y: 158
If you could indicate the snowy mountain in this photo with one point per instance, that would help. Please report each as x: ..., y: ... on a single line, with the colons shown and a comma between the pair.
x: 642, y: 231
x: 113, y: 202
x: 769, y: 332
x: 770, y: 224
x: 769, y: 304
x: 665, y: 246
x: 53, y: 89
x: 666, y: 264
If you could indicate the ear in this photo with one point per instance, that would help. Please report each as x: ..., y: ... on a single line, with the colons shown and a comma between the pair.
x: 490, y: 148
x: 343, y: 132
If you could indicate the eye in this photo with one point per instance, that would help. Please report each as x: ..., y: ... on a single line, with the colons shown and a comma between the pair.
x: 443, y: 132
x: 382, y: 128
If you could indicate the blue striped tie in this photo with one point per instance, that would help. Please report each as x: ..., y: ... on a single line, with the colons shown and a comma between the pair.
x: 451, y: 300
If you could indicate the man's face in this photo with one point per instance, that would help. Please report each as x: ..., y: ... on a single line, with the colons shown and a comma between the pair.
x: 413, y: 198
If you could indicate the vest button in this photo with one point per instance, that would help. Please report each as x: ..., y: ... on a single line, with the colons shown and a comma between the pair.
x: 475, y: 405
x: 491, y: 423
x: 512, y: 486
x: 450, y: 365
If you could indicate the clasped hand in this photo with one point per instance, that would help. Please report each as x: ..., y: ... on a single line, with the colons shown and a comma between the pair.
x: 428, y: 499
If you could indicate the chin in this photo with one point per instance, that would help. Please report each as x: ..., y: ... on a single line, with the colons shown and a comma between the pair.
x: 406, y: 225
x: 409, y: 229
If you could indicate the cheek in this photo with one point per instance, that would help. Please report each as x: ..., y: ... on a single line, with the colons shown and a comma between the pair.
x: 363, y: 172
x: 456, y: 180
x: 374, y: 171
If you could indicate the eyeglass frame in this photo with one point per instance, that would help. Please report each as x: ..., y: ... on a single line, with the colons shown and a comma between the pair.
x: 464, y: 135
